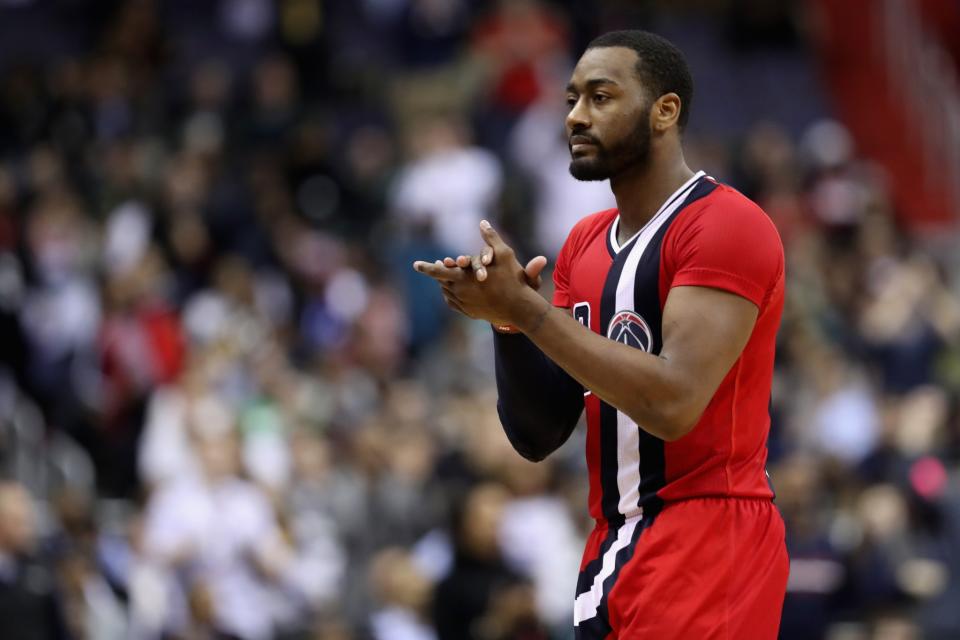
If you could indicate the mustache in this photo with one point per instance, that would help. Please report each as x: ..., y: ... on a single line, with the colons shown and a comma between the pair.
x: 582, y: 138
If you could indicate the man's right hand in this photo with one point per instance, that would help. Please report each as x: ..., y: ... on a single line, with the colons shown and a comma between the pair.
x: 478, y: 264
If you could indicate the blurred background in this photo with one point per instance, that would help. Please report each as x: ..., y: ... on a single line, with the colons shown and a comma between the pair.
x: 230, y: 409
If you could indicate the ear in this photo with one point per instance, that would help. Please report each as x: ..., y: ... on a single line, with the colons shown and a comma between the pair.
x: 665, y: 112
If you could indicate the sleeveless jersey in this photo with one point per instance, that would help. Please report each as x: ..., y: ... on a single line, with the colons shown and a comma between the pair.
x: 706, y: 234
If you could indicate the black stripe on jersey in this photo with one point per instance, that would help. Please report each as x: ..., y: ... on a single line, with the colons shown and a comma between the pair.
x: 646, y: 302
x: 646, y: 281
x: 598, y: 627
x: 589, y: 573
x: 614, y: 227
x: 609, y: 466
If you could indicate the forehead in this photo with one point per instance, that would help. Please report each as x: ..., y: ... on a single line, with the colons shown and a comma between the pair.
x: 614, y: 63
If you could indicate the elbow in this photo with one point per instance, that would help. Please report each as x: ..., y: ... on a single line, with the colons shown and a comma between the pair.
x: 681, y: 422
x: 537, y: 431
x: 534, y: 452
x: 671, y: 420
x: 532, y: 448
x: 675, y: 430
x: 527, y: 439
x: 531, y: 454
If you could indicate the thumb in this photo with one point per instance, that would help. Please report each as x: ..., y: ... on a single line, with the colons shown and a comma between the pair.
x: 533, y: 270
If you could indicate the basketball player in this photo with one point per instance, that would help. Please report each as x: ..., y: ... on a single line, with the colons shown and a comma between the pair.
x: 662, y: 328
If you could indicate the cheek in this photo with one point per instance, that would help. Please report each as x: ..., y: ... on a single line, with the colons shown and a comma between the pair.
x: 627, y: 124
x: 617, y: 127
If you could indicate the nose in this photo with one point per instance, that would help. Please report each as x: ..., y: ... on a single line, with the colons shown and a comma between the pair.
x: 578, y: 117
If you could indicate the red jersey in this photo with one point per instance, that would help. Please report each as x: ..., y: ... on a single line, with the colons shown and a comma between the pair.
x: 706, y: 234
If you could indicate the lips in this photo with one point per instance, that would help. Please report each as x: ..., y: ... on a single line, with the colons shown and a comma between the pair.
x: 581, y: 140
x: 580, y: 143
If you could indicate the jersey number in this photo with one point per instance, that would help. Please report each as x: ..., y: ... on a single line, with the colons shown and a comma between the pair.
x: 581, y: 311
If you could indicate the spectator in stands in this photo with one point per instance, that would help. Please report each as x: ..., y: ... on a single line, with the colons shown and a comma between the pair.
x: 220, y: 535
x: 30, y: 606
x: 481, y: 597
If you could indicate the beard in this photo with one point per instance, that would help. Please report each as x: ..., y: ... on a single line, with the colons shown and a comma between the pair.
x: 633, y: 151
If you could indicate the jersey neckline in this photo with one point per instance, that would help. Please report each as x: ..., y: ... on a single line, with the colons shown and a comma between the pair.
x: 682, y: 192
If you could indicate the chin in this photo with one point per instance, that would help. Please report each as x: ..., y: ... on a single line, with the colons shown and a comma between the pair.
x: 587, y: 170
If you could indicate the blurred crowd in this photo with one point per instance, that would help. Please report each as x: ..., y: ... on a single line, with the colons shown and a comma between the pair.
x: 229, y: 408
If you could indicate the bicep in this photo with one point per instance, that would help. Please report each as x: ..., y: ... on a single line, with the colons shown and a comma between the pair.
x: 704, y: 333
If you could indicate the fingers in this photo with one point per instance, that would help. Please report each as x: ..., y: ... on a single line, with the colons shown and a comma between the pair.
x: 491, y: 237
x: 486, y: 255
x: 533, y: 270
x: 476, y: 263
x: 453, y: 270
x: 536, y: 266
x: 438, y: 271
x: 470, y: 262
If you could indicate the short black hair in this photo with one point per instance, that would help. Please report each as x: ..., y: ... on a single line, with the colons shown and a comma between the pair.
x: 661, y: 66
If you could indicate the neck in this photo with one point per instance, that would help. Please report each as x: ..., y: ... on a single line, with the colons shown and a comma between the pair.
x: 640, y: 191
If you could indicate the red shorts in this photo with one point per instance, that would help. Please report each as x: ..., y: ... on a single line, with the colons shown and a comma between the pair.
x: 701, y: 568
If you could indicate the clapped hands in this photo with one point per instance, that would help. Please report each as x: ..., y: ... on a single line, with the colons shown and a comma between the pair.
x: 491, y: 285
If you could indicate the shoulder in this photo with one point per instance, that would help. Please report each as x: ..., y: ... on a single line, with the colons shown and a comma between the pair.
x: 726, y: 220
x: 588, y: 228
x: 580, y: 238
x: 725, y: 207
x: 725, y: 240
x: 594, y: 223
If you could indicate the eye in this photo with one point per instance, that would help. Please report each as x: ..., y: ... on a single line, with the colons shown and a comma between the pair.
x: 571, y: 101
x: 599, y: 98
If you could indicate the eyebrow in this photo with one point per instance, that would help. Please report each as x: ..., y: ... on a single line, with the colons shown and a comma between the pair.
x: 592, y: 82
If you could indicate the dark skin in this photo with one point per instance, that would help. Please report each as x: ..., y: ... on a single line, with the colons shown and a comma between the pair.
x: 704, y: 330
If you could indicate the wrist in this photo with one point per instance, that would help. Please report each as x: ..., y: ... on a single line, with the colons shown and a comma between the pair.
x: 532, y: 311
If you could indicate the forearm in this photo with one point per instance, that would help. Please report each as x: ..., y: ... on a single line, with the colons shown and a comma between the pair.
x: 646, y: 387
x: 705, y: 328
x: 539, y: 403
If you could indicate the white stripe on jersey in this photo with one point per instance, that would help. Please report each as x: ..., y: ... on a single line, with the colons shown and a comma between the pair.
x: 615, y: 226
x: 587, y: 603
x: 628, y: 433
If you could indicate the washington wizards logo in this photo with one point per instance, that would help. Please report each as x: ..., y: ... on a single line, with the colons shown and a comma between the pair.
x: 629, y: 328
